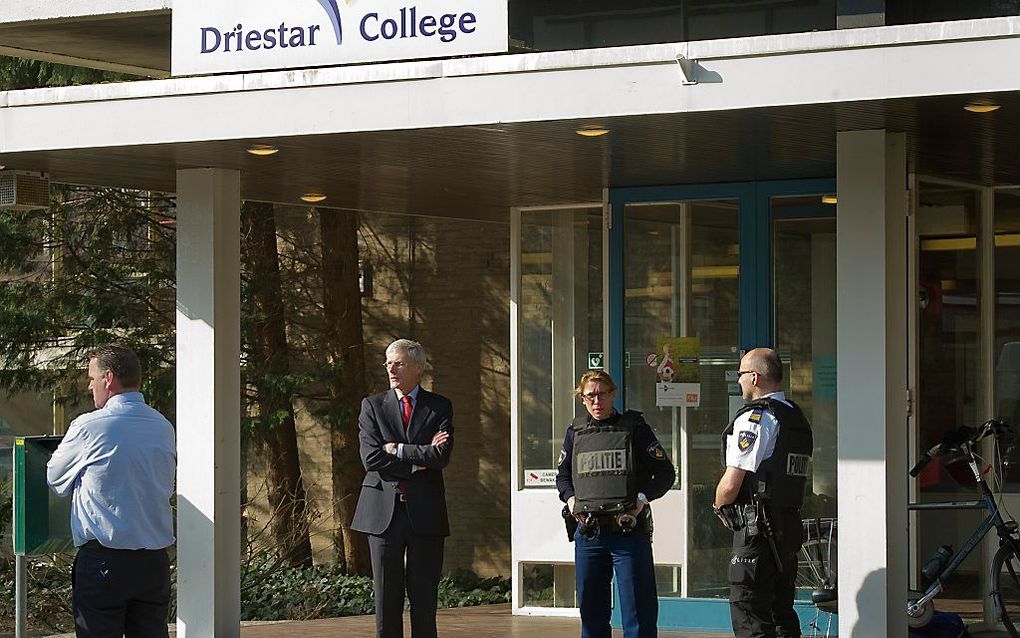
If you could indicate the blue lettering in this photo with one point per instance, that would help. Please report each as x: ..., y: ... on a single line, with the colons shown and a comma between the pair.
x: 215, y: 33
x: 447, y: 34
x: 406, y: 23
x: 364, y: 21
x: 428, y: 22
x: 297, y: 37
x: 241, y: 39
x: 253, y: 41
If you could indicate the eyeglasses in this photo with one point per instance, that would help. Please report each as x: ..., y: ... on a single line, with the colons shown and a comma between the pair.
x: 395, y: 365
x: 592, y: 397
x: 741, y: 373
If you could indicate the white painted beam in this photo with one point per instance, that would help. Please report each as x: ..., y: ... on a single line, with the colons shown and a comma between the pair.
x: 871, y: 342
x: 831, y: 67
x: 208, y: 403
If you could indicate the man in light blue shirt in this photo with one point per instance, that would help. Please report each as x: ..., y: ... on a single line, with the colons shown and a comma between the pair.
x: 118, y: 463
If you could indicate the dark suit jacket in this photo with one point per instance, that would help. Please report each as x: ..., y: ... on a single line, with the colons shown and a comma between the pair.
x: 380, y: 423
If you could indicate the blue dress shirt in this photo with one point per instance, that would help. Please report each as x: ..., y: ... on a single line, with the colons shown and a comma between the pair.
x: 120, y: 461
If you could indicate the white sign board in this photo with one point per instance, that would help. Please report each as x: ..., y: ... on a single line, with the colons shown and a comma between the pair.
x: 678, y: 395
x: 224, y: 36
x: 535, y: 478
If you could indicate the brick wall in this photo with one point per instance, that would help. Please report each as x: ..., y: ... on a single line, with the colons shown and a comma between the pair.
x: 444, y: 283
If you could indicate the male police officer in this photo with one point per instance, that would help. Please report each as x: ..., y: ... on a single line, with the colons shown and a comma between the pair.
x: 766, y: 451
x: 610, y: 467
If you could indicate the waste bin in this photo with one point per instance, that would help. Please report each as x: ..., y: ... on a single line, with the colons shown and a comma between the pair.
x: 42, y: 520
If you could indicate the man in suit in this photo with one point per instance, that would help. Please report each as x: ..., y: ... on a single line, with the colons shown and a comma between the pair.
x: 406, y: 437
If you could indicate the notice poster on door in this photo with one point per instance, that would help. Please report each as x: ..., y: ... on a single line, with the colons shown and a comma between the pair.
x: 678, y: 372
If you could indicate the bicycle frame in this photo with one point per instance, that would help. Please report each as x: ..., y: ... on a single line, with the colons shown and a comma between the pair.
x: 992, y: 520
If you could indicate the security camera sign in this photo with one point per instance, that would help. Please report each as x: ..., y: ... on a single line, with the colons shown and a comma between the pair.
x: 224, y: 37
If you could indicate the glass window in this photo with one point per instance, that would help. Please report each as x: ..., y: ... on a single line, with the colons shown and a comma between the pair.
x: 681, y: 327
x: 548, y: 585
x: 804, y: 249
x: 914, y: 11
x: 539, y: 25
x: 559, y: 323
x: 667, y: 581
x: 947, y: 377
x: 1007, y: 312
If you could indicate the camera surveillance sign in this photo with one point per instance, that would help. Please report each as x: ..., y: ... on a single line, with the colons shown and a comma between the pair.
x: 218, y: 36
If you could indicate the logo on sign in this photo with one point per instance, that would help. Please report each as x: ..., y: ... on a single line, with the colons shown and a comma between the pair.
x: 333, y: 12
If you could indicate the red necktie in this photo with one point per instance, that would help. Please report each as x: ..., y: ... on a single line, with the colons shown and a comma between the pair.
x: 406, y: 414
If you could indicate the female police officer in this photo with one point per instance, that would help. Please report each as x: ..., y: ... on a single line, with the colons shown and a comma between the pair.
x: 610, y: 466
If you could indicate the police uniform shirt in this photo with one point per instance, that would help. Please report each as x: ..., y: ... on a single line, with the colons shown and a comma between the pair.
x: 754, y: 437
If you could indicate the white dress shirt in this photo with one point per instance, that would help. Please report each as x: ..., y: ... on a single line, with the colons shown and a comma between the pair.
x: 758, y: 429
x: 120, y: 462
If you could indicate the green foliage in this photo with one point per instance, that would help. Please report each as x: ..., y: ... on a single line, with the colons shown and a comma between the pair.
x: 326, y: 591
x: 20, y: 73
x: 99, y: 268
x: 268, y: 592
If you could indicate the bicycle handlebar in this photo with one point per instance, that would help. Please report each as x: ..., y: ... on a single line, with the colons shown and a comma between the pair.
x: 954, y: 439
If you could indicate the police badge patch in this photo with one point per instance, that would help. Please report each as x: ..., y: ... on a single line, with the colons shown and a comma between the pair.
x: 656, y: 452
x: 745, y: 440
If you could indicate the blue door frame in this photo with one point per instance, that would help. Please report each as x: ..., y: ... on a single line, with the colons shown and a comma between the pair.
x: 756, y: 320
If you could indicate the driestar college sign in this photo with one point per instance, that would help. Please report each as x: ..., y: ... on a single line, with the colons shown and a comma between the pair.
x: 223, y: 36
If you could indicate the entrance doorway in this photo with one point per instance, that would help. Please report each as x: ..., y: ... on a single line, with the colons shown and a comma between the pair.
x: 691, y: 277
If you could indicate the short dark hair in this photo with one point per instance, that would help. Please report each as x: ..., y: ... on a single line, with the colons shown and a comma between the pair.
x: 121, y: 361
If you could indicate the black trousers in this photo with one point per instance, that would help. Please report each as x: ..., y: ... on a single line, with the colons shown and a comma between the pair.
x: 424, y: 565
x: 761, y: 595
x: 120, y: 592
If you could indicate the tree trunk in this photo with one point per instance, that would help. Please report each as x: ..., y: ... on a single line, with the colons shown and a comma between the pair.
x: 346, y: 351
x: 269, y: 363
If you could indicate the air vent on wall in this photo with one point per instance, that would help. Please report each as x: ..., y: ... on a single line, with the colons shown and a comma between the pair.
x: 24, y: 191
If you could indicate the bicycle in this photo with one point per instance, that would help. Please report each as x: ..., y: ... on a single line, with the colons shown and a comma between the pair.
x: 816, y: 572
x: 1005, y: 568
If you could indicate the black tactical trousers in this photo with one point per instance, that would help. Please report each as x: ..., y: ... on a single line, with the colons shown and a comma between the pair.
x: 761, y: 596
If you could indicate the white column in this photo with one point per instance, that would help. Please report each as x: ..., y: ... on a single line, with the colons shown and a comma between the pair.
x: 871, y: 343
x: 208, y: 403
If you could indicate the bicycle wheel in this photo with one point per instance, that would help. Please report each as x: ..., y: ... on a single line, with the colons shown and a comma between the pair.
x: 1006, y: 587
x: 816, y: 572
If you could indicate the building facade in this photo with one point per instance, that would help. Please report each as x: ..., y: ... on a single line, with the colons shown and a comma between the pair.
x: 680, y: 181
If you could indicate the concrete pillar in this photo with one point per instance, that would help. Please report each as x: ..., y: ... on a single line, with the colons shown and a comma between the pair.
x: 871, y: 341
x: 208, y: 403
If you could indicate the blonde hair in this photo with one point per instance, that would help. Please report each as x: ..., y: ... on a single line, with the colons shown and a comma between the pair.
x: 594, y: 376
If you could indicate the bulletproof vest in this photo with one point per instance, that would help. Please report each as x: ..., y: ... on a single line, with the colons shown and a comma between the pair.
x: 780, y: 478
x: 602, y: 465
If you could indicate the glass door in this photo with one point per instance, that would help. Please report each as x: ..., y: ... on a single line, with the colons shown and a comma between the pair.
x: 681, y: 342
x: 697, y: 276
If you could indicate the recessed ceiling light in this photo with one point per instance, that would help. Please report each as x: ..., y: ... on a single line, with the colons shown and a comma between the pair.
x: 313, y: 198
x: 592, y: 130
x: 262, y: 150
x: 829, y: 199
x: 981, y: 106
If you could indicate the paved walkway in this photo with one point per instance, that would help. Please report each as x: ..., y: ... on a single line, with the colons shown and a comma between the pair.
x: 490, y: 621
